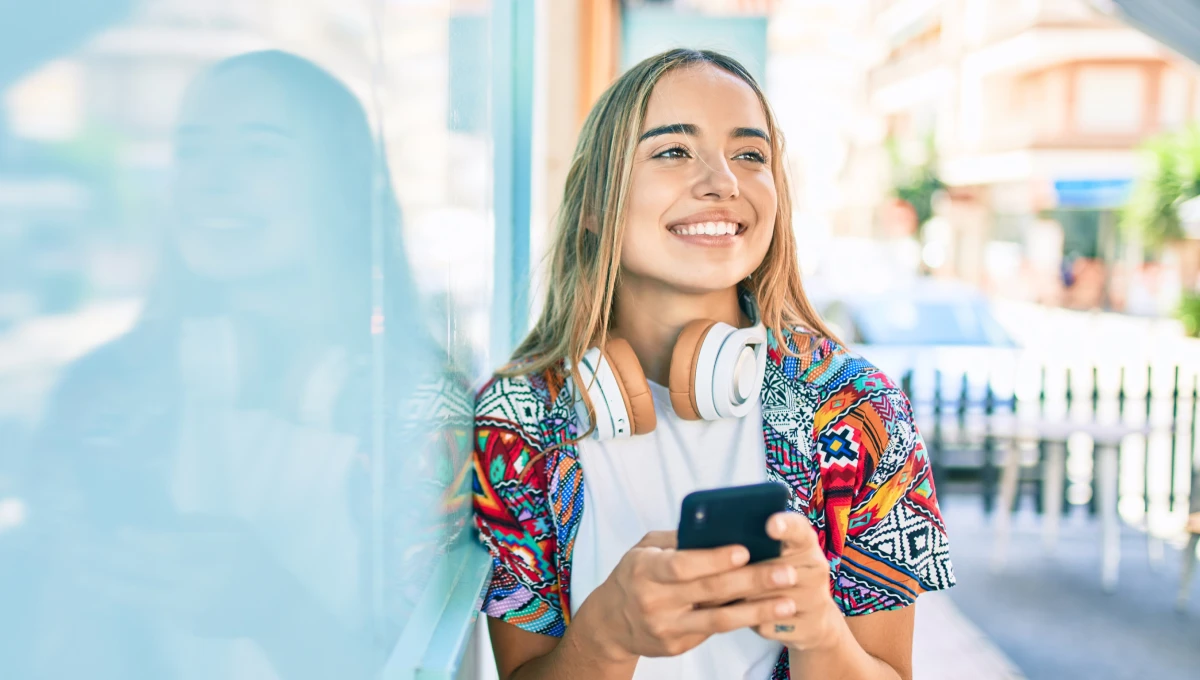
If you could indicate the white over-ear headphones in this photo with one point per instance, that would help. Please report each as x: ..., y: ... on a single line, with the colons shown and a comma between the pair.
x: 716, y: 372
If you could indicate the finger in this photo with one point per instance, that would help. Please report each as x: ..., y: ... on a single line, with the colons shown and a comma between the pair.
x: 665, y: 540
x: 735, y: 616
x: 794, y: 531
x: 789, y: 628
x: 684, y: 566
x: 757, y: 581
x: 781, y: 629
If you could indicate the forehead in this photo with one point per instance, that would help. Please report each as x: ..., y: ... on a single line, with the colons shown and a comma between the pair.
x: 704, y: 95
x: 239, y: 95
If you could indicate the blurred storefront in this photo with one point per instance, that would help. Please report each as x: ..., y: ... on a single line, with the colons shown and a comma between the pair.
x: 1032, y: 112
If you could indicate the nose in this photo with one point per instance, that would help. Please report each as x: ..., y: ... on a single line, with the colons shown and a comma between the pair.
x: 716, y: 180
x: 213, y: 173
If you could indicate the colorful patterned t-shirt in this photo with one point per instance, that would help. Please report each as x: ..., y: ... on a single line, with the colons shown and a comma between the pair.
x: 838, y: 432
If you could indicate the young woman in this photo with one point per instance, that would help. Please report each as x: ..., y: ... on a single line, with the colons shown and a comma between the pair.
x: 205, y: 481
x: 675, y: 255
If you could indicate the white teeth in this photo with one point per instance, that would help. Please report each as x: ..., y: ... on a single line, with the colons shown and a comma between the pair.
x: 707, y: 229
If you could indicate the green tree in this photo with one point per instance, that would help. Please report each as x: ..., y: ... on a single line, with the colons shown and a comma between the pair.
x: 1172, y: 176
x: 915, y: 181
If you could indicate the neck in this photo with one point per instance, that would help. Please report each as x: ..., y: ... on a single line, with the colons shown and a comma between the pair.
x: 650, y: 317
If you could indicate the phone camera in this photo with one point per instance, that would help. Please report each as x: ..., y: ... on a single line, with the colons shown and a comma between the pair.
x: 700, y: 515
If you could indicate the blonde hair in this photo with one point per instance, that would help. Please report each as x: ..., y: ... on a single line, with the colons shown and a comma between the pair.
x: 585, y: 262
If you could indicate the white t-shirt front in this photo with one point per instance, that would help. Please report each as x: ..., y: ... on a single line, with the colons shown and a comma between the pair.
x: 286, y: 480
x: 634, y: 486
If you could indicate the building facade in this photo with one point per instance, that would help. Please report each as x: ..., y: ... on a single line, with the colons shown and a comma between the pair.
x: 1031, y: 114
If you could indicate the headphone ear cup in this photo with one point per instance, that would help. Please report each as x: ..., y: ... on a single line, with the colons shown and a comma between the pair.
x: 596, y: 377
x: 631, y: 380
x: 683, y: 368
x: 736, y: 362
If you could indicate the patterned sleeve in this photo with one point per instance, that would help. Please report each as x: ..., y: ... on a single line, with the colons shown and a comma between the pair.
x: 512, y: 511
x: 884, y: 532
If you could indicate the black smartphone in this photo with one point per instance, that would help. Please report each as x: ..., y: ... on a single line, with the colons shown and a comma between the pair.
x: 734, y: 515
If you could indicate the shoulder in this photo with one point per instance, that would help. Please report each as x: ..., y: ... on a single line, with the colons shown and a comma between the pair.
x: 515, y: 400
x: 849, y: 394
x: 141, y: 353
x: 832, y: 369
x: 127, y: 372
x: 119, y: 389
x: 520, y: 403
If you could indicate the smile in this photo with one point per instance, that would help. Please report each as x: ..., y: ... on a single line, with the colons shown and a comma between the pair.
x: 708, y: 229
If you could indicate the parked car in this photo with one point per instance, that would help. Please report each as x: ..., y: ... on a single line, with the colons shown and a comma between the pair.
x: 935, y: 337
x: 926, y: 329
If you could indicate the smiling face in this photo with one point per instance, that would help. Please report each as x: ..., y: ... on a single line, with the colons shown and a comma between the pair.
x: 245, y: 178
x: 702, y: 201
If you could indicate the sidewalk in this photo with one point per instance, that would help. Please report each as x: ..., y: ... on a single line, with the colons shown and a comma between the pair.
x: 1048, y: 612
x: 947, y: 646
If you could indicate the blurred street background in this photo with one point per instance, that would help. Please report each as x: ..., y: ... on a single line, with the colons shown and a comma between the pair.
x: 997, y: 201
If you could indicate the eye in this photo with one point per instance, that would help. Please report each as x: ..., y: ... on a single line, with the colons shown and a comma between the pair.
x: 261, y: 151
x: 754, y: 156
x: 673, y: 152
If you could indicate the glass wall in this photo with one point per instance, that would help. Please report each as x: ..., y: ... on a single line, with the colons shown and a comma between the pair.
x: 245, y: 284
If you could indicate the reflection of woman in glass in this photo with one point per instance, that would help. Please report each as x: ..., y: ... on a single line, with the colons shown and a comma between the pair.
x: 213, y: 468
x: 676, y: 283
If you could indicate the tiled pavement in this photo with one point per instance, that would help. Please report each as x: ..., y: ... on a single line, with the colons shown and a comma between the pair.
x: 947, y: 646
x: 1048, y: 614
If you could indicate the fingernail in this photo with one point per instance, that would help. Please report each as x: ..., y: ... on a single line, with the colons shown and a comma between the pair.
x: 785, y: 576
x: 785, y: 608
x: 780, y: 525
x: 740, y: 556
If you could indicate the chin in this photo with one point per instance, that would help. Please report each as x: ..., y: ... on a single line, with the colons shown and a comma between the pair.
x: 220, y: 266
x: 694, y: 285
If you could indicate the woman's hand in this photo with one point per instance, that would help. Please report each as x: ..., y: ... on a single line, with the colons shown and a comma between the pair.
x: 817, y: 622
x: 659, y: 600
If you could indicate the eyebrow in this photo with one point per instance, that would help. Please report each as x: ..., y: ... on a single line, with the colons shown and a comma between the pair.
x: 751, y: 132
x: 692, y: 130
x: 267, y: 128
x: 672, y: 129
